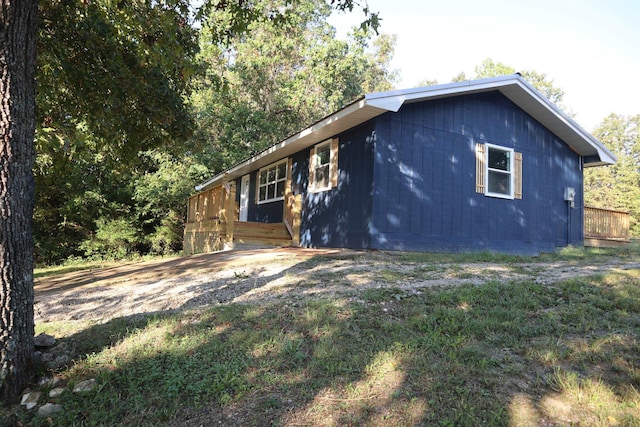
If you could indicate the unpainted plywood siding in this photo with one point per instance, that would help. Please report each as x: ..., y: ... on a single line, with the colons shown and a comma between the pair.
x: 424, y: 194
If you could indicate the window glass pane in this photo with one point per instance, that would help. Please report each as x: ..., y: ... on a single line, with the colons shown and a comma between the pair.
x: 282, y: 170
x: 499, y: 159
x: 272, y: 181
x: 271, y: 175
x: 499, y: 183
x: 322, y: 176
x: 323, y: 155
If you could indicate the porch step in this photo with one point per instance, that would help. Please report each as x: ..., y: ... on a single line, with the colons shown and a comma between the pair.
x: 261, y: 233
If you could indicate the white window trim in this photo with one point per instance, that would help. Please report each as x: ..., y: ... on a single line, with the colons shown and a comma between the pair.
x: 316, y: 188
x: 511, y: 172
x: 272, y: 165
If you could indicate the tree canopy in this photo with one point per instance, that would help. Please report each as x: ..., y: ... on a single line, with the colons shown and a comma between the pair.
x: 260, y: 89
x: 111, y: 83
x: 540, y: 81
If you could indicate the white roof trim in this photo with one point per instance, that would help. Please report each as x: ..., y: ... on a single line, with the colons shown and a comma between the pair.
x: 372, y: 105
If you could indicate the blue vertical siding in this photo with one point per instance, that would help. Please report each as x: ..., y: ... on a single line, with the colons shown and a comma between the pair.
x: 264, y: 212
x: 340, y: 217
x: 424, y: 180
x: 407, y: 182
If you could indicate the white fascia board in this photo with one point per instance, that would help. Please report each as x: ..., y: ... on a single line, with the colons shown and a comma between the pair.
x: 564, y: 121
x: 390, y: 103
x: 219, y: 177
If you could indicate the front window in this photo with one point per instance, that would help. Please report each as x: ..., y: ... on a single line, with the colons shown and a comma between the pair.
x: 271, y: 182
x: 499, y: 172
x: 322, y: 166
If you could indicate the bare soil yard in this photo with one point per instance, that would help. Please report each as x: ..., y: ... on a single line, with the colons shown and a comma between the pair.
x: 260, y: 274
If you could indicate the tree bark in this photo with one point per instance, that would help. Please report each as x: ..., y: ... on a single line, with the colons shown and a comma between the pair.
x: 17, y: 127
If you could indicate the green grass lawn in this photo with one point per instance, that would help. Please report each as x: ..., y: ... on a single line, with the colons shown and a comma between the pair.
x: 503, y: 353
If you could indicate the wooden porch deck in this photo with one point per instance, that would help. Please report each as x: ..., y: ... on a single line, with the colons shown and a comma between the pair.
x: 605, y: 227
x: 213, y: 223
x: 211, y: 236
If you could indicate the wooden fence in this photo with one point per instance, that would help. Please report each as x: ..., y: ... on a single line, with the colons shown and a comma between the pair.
x: 204, y: 236
x: 607, y: 224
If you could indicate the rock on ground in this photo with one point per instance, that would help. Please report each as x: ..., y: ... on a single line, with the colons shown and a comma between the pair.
x: 44, y: 341
x: 30, y: 400
x: 84, y: 386
x: 48, y: 409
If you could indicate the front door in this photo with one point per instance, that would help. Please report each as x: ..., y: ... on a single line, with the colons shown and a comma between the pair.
x: 244, y: 198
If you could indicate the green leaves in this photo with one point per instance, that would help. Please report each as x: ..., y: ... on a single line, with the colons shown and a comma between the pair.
x: 617, y: 186
x: 261, y: 88
x: 159, y: 195
x: 118, y: 67
x: 489, y: 68
x: 540, y: 81
x: 114, y: 238
x: 112, y: 78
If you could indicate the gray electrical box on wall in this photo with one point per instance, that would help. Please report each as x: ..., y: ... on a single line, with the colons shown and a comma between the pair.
x: 569, y: 194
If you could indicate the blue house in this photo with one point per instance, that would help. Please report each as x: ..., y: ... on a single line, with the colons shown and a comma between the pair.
x: 480, y: 165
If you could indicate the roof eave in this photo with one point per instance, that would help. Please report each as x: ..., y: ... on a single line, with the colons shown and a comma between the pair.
x: 554, y: 119
x: 350, y: 116
x: 372, y: 105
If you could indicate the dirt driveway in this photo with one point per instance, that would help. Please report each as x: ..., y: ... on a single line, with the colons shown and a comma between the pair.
x: 261, y: 274
x: 157, y: 285
x: 136, y: 273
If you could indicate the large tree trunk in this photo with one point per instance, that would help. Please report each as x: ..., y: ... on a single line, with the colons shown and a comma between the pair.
x: 17, y: 127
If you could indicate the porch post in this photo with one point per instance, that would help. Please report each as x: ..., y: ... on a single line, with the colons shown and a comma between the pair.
x: 297, y: 210
x: 292, y: 207
x: 230, y: 209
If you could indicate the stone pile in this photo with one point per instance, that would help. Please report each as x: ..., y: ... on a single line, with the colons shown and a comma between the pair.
x: 48, y: 353
x: 53, y: 356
